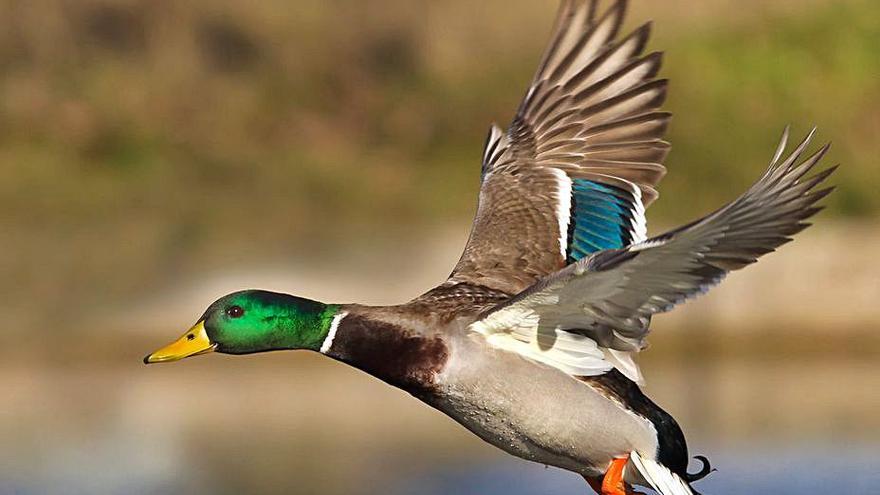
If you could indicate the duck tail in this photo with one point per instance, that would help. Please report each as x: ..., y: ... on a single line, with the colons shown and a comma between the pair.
x: 702, y: 473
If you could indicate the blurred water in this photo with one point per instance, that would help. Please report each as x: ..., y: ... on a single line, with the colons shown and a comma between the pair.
x: 808, y: 470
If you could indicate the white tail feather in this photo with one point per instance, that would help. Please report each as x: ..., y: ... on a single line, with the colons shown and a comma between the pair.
x: 661, y: 479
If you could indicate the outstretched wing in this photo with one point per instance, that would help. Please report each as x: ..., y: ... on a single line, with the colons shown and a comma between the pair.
x: 575, y: 170
x: 588, y: 316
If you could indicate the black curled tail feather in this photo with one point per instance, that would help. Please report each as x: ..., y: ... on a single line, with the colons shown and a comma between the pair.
x: 702, y: 473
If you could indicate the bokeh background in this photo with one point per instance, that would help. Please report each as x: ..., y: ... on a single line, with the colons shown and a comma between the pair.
x: 156, y: 154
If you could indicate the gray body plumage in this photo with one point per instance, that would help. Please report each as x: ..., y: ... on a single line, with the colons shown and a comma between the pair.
x: 536, y: 412
x: 523, y: 407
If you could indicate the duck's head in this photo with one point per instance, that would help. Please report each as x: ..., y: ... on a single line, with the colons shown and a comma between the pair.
x: 252, y: 321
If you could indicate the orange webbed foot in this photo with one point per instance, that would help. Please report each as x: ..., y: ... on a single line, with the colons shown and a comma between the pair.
x: 612, y: 483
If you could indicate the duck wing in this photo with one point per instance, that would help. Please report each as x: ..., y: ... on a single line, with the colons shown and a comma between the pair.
x: 589, y: 316
x: 575, y: 170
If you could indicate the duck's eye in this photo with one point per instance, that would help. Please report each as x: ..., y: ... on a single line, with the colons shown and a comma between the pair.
x: 234, y: 311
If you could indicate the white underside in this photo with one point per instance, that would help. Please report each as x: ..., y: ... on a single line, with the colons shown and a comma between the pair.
x: 518, y: 329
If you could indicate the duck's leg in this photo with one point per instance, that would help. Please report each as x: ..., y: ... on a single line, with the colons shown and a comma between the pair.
x: 612, y: 483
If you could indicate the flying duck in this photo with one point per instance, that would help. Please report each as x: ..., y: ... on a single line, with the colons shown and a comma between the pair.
x: 530, y: 342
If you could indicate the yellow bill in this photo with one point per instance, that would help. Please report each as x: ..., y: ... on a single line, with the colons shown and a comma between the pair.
x: 192, y: 343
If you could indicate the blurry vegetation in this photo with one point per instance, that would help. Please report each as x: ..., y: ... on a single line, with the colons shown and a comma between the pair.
x: 137, y: 137
x: 732, y: 89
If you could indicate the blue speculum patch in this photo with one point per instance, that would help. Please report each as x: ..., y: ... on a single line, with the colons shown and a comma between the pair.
x: 601, y: 218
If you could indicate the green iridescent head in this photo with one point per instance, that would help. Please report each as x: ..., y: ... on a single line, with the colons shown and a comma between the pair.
x: 253, y: 321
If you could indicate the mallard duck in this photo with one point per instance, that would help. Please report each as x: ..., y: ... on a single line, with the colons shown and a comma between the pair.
x: 530, y: 342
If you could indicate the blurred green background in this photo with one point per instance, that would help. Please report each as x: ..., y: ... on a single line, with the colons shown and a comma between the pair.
x: 157, y: 154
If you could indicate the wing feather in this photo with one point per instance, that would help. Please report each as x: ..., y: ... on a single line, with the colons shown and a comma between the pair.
x: 590, y: 114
